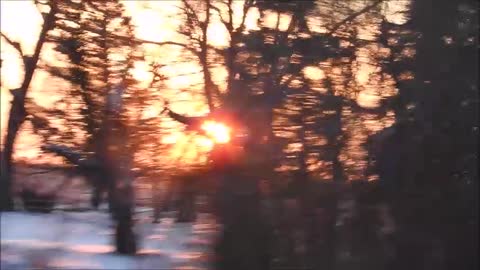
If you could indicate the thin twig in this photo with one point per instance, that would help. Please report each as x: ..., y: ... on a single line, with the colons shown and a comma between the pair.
x: 353, y: 16
x: 14, y: 44
x: 192, y: 50
x: 225, y: 22
x: 246, y: 8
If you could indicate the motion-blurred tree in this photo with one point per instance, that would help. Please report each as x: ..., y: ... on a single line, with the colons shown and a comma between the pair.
x: 428, y: 159
x: 267, y: 66
x: 98, y: 41
x: 18, y: 112
x: 197, y: 18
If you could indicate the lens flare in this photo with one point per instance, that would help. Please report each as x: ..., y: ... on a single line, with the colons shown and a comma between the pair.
x: 220, y: 133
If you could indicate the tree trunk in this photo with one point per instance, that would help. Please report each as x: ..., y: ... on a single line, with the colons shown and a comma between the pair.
x: 209, y: 86
x: 123, y: 208
x: 17, y: 117
x: 186, y: 207
x: 208, y: 83
x: 17, y: 111
x: 338, y: 180
x: 122, y: 202
x: 243, y: 243
x: 114, y: 153
x: 156, y: 201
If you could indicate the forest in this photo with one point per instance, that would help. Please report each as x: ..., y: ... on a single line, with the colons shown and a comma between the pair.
x: 317, y: 134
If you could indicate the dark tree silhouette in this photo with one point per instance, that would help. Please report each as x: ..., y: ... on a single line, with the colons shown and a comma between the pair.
x: 99, y: 43
x: 426, y: 160
x: 18, y: 112
x: 92, y: 70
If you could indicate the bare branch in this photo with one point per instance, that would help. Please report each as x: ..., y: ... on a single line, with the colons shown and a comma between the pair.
x: 246, y: 7
x: 190, y: 11
x: 230, y: 14
x: 225, y: 22
x: 73, y: 156
x: 353, y: 16
x: 14, y: 44
x: 31, y: 62
x: 162, y: 43
x: 204, y: 25
x: 196, y: 39
x: 193, y: 50
x: 157, y: 75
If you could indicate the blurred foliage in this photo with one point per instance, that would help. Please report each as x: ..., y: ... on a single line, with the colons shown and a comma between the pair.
x: 367, y: 101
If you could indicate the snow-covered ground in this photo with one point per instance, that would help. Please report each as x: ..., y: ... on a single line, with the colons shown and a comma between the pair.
x: 83, y: 240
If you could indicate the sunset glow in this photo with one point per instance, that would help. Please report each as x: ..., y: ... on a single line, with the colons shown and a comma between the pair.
x: 158, y: 21
x: 219, y: 132
x: 238, y: 134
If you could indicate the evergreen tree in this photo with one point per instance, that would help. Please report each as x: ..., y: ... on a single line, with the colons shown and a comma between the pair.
x: 98, y: 40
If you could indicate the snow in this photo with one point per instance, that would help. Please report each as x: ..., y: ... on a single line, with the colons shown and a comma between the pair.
x: 83, y: 240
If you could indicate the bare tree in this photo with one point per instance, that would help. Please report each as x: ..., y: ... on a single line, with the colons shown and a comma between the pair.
x: 18, y: 112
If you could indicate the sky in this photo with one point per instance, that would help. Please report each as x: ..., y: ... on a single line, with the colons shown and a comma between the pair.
x: 154, y: 20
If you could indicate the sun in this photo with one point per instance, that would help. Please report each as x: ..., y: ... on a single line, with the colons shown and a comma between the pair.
x: 218, y: 132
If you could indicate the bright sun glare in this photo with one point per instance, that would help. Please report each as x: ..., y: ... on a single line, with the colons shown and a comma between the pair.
x: 220, y: 133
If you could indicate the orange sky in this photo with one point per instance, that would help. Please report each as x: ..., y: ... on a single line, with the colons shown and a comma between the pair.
x: 21, y: 22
